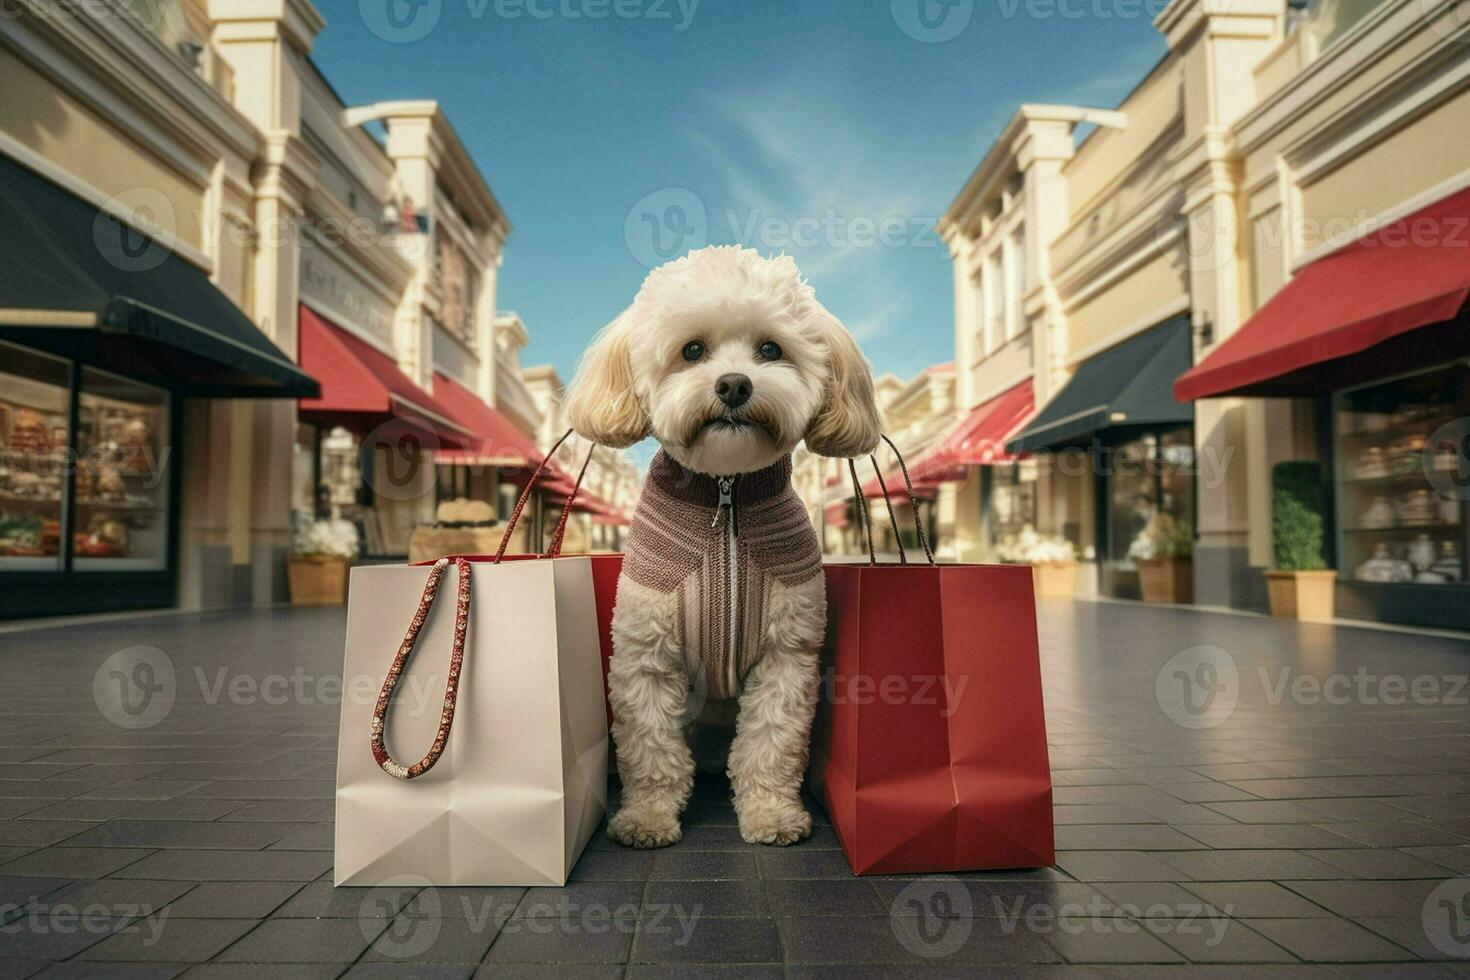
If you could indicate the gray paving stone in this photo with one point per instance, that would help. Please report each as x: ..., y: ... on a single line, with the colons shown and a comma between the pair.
x: 155, y: 939
x: 695, y: 939
x: 851, y: 941
x: 221, y: 865
x: 1329, y: 940
x: 537, y: 939
x: 184, y: 834
x: 305, y: 941
x: 75, y: 862
x: 1257, y: 900
x: 320, y: 900
x: 421, y: 939
x: 676, y: 864
x: 709, y: 898
x: 233, y: 899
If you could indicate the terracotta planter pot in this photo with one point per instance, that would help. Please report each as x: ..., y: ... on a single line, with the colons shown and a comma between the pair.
x: 318, y: 580
x: 1166, y: 579
x: 1309, y: 596
x: 1057, y: 579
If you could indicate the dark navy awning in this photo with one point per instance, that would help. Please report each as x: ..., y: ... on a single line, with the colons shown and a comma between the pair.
x: 80, y: 283
x: 1131, y: 385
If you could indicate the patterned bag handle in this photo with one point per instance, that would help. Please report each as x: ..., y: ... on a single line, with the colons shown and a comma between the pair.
x: 561, y: 525
x: 461, y: 626
x: 451, y: 685
x: 865, y: 517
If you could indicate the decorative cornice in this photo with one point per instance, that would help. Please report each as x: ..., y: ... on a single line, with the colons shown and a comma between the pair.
x: 1182, y: 19
x: 1022, y: 136
x: 437, y: 142
x: 295, y: 21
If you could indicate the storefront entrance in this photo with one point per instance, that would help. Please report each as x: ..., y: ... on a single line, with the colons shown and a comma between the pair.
x: 1402, y: 478
x: 103, y: 333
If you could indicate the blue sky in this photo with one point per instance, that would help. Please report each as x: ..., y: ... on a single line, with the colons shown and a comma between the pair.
x: 822, y: 128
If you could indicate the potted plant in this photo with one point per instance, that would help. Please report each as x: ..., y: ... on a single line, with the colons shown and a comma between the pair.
x: 1162, y: 551
x: 1053, y: 560
x: 1301, y: 586
x: 320, y: 555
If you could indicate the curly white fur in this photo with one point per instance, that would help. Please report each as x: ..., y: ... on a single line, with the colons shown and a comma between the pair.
x: 635, y: 381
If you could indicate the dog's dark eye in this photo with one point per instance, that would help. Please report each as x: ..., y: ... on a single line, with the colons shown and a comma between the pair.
x: 693, y: 351
x: 771, y: 351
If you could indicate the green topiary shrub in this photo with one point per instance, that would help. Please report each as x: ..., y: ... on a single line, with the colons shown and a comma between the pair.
x: 1299, y: 506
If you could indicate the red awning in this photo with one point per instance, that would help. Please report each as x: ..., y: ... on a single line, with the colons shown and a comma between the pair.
x: 362, y: 386
x: 836, y: 514
x: 497, y: 442
x: 1342, y: 318
x: 978, y: 440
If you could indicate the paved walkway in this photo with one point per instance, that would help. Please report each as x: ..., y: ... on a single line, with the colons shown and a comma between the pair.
x: 1284, y: 795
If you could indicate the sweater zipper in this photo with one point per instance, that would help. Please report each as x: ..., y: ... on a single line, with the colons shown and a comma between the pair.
x: 726, y: 507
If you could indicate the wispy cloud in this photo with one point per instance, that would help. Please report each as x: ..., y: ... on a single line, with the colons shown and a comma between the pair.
x: 812, y: 180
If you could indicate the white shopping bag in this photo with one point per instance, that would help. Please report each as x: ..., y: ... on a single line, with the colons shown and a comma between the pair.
x: 520, y: 783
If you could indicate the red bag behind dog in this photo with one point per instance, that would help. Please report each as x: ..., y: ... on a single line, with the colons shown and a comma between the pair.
x: 929, y: 747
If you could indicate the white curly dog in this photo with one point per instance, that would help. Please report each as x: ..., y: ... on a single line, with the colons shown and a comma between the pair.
x: 727, y: 359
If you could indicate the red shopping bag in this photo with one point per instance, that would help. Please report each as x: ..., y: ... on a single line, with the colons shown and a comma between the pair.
x: 929, y: 748
x: 605, y: 568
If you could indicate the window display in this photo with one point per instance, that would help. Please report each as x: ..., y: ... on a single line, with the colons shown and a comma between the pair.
x: 1150, y: 489
x: 1012, y: 499
x: 121, y: 475
x: 1396, y: 527
x: 35, y: 399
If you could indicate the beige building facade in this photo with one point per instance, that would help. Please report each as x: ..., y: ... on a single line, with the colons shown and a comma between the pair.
x: 337, y: 350
x: 1267, y: 140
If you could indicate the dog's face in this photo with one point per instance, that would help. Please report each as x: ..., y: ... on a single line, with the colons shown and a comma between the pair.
x: 729, y: 361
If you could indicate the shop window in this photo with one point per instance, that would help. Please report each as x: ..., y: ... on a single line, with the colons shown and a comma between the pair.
x: 1012, y: 500
x: 1146, y: 478
x: 121, y: 475
x: 304, y: 482
x: 35, y: 398
x: 1400, y: 480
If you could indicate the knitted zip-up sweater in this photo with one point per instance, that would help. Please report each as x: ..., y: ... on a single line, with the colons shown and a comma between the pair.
x: 720, y: 545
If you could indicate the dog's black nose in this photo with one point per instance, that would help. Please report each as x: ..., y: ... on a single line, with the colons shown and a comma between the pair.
x: 734, y: 389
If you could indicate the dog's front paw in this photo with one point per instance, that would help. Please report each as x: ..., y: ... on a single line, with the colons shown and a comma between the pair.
x: 775, y: 822
x: 645, y: 826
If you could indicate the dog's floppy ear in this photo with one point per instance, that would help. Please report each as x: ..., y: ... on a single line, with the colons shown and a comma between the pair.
x: 848, y: 423
x: 601, y: 404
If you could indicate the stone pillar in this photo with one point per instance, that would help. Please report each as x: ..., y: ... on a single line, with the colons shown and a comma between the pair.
x: 264, y: 41
x: 1219, y: 43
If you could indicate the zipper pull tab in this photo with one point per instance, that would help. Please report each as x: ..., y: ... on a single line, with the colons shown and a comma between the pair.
x: 727, y: 499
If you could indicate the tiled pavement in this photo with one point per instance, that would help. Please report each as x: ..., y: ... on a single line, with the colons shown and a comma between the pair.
x: 1320, y: 828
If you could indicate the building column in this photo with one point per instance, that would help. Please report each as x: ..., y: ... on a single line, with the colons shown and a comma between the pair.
x: 1218, y: 43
